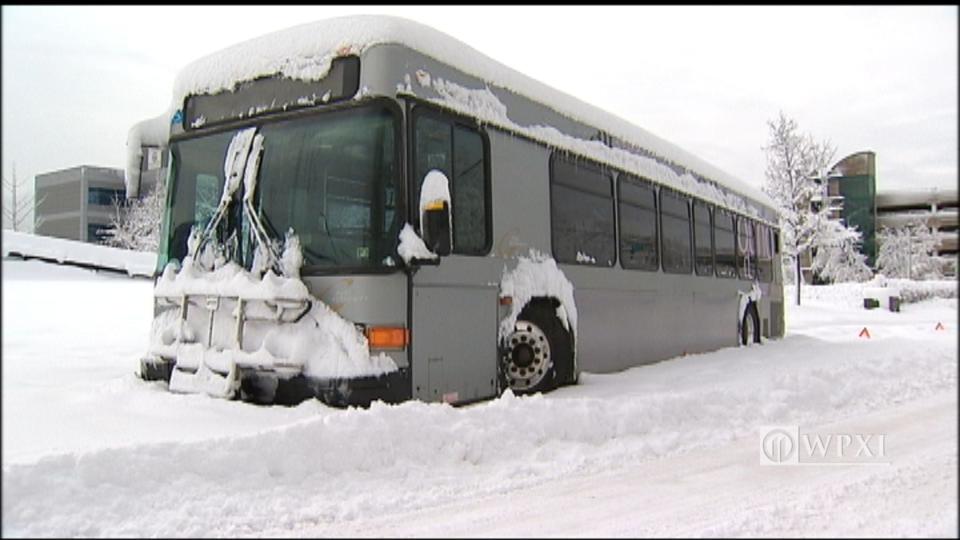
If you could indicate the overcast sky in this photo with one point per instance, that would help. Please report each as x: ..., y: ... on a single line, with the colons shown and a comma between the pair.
x: 76, y: 78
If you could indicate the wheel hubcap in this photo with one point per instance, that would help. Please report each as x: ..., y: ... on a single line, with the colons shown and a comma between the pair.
x: 528, y: 358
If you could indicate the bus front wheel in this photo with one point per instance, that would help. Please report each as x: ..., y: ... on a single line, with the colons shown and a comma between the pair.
x: 538, y: 355
x: 750, y: 325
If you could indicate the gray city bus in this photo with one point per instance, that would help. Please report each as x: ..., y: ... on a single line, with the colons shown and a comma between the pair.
x: 635, y: 250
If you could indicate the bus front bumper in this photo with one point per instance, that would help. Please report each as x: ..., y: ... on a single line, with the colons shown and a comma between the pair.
x: 266, y: 386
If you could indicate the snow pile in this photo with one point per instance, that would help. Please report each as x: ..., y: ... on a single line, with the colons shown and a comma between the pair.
x: 321, y: 344
x: 915, y: 291
x: 411, y: 245
x: 229, y: 280
x: 537, y: 276
x: 134, y: 263
x: 89, y: 450
x: 435, y: 187
x: 398, y: 458
x: 852, y: 294
x: 584, y: 258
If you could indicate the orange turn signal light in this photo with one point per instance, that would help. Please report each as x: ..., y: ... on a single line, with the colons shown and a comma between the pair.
x: 388, y: 337
x: 435, y: 204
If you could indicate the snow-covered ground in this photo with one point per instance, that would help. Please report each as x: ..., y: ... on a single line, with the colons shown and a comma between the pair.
x: 672, y: 449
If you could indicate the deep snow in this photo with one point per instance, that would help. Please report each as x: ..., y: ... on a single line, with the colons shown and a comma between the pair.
x: 661, y: 450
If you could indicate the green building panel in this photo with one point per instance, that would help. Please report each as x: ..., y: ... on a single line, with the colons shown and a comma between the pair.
x: 856, y: 177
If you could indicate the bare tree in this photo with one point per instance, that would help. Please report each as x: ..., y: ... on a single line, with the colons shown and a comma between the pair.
x: 795, y: 166
x: 20, y: 205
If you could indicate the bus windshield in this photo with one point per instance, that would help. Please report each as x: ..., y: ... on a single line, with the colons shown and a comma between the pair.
x: 332, y: 177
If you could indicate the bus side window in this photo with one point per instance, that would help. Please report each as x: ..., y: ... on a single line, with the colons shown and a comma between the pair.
x: 459, y: 152
x: 638, y: 224
x: 469, y: 195
x: 581, y: 213
x: 725, y: 243
x: 703, y: 238
x: 764, y: 254
x: 746, y: 248
x: 675, y: 235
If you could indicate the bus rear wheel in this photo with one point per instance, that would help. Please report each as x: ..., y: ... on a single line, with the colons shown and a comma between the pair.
x: 538, y: 354
x: 750, y: 325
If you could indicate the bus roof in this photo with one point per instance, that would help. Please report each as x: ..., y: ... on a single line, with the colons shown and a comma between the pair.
x: 306, y: 51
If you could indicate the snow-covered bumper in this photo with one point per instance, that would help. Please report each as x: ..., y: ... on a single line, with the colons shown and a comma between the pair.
x: 262, y: 347
x: 266, y: 386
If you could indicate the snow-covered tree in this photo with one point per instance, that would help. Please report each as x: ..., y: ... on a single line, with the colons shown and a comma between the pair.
x: 795, y: 162
x: 838, y: 257
x: 20, y: 205
x: 908, y: 252
x: 136, y: 222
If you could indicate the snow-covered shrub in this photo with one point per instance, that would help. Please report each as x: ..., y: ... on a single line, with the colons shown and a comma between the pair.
x: 908, y: 252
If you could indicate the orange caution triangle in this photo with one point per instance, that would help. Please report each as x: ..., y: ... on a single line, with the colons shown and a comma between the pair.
x: 939, y: 326
x: 864, y: 332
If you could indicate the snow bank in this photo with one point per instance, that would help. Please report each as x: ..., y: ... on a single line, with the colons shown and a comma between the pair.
x: 852, y: 294
x: 537, y: 276
x: 134, y: 263
x: 352, y: 464
x: 100, y: 453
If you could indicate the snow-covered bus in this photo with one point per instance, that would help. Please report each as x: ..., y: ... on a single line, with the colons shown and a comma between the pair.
x: 365, y: 208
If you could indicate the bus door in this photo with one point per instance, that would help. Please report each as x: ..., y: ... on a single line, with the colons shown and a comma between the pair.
x: 454, y: 303
x: 454, y: 333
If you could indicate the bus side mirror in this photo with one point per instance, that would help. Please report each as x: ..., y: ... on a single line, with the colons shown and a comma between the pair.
x: 435, y: 226
x: 435, y: 212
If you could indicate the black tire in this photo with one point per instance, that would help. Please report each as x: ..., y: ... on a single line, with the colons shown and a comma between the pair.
x: 750, y: 324
x: 536, y: 319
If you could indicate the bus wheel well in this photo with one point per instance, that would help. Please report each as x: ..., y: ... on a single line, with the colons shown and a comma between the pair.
x: 542, y: 311
x: 750, y: 325
x: 539, y: 302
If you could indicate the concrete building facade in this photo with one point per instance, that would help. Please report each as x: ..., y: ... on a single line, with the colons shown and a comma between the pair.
x: 78, y: 202
x: 850, y: 191
x: 935, y: 207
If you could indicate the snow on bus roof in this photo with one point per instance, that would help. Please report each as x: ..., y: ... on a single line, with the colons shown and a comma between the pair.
x: 306, y: 51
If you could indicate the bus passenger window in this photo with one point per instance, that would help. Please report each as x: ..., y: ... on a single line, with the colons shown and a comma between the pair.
x: 702, y: 239
x: 675, y: 221
x: 581, y: 213
x: 764, y: 254
x: 746, y: 249
x: 638, y: 225
x: 469, y: 193
x: 434, y: 148
x: 458, y: 151
x: 725, y: 243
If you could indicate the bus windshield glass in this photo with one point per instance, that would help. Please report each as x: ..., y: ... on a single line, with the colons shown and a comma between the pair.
x: 332, y: 177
